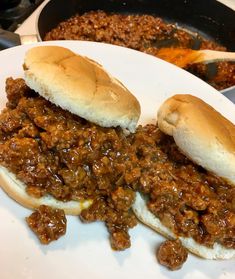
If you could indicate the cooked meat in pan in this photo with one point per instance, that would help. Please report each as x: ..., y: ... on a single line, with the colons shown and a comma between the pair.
x: 145, y: 33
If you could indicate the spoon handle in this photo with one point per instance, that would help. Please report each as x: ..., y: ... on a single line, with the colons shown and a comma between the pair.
x: 214, y: 56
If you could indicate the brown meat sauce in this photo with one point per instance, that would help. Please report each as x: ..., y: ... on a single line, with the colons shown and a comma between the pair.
x: 172, y: 254
x: 185, y: 197
x: 47, y: 223
x: 55, y: 152
x: 145, y: 33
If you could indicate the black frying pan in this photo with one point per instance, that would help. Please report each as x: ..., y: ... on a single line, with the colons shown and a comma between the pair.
x: 207, y: 17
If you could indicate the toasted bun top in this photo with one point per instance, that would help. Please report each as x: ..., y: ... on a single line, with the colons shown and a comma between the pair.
x: 201, y: 133
x: 81, y: 86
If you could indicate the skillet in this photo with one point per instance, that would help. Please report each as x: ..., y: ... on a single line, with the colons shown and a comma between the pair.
x: 208, y: 18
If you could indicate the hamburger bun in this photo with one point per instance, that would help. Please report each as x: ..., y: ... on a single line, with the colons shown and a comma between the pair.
x: 80, y: 85
x: 201, y: 133
x: 208, y: 139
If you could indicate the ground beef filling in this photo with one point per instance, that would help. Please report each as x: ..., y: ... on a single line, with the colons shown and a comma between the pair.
x: 185, y: 197
x: 172, y: 254
x: 55, y: 152
x: 47, y: 223
x: 145, y: 33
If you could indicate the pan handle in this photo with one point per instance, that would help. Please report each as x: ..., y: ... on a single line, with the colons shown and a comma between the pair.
x: 229, y: 93
x: 10, y: 39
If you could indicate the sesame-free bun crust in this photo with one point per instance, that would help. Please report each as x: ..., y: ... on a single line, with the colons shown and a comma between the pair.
x: 16, y: 190
x: 201, y: 133
x: 80, y: 85
x: 148, y: 218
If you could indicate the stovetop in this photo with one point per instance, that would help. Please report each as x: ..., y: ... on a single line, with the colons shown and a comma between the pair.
x: 11, y: 18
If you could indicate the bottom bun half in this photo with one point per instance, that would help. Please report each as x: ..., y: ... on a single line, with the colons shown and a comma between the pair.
x: 144, y: 215
x: 16, y: 190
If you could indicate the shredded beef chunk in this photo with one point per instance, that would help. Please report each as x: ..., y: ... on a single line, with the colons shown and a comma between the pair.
x: 47, y: 223
x: 145, y: 33
x: 172, y: 254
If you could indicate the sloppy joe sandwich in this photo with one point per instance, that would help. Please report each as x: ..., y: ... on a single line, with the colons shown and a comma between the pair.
x: 187, y: 185
x: 63, y: 139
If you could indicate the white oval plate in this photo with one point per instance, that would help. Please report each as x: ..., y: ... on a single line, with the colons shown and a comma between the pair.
x: 84, y: 252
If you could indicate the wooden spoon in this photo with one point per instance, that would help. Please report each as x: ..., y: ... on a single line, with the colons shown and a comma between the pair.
x: 184, y: 57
